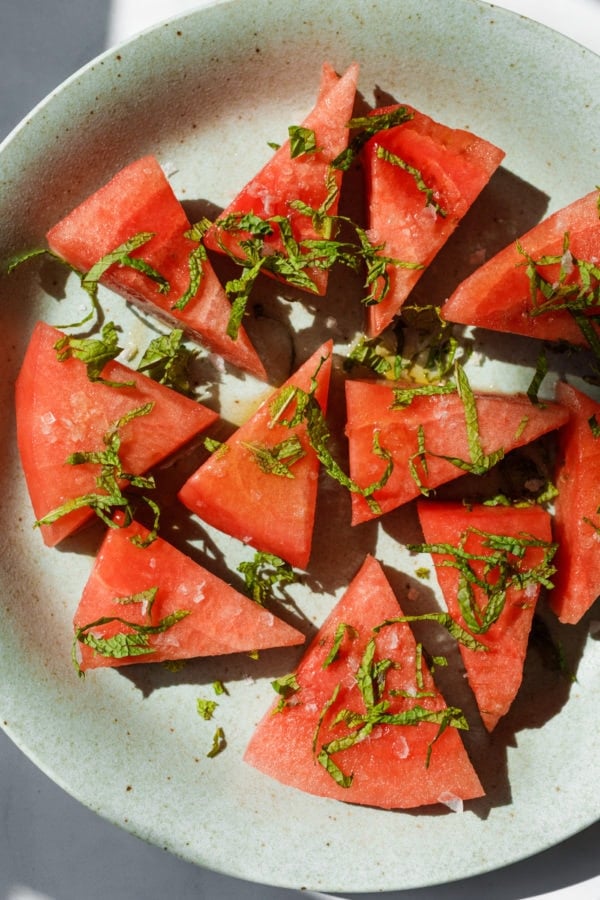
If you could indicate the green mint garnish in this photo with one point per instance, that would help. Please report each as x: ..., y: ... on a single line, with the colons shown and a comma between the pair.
x: 94, y: 352
x: 263, y: 573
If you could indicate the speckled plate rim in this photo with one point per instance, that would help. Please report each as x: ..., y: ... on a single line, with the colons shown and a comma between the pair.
x: 129, y: 747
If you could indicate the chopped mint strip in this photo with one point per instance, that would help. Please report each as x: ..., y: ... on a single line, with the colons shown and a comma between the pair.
x: 131, y: 643
x: 417, y: 176
x: 494, y: 571
x: 219, y: 743
x: 541, y: 370
x: 302, y: 140
x: 206, y: 708
x: 94, y: 352
x: 167, y: 360
x: 263, y: 573
x: 196, y: 261
x: 278, y: 459
x: 365, y: 127
x: 340, y: 633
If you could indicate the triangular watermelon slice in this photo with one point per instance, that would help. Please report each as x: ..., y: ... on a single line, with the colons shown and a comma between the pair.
x: 272, y: 512
x: 60, y: 411
x: 520, y: 569
x: 577, y: 507
x: 189, y: 611
x: 139, y: 199
x: 421, y: 179
x: 286, y: 178
x: 504, y: 294
x: 394, y: 765
x: 420, y: 435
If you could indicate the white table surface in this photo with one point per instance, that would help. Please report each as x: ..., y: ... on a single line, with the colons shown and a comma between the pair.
x: 51, y: 847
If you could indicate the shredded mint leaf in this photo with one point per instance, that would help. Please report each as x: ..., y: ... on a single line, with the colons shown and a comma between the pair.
x: 286, y: 687
x: 417, y: 176
x: 90, y: 279
x: 167, y: 361
x: 278, y: 459
x: 373, y: 354
x: 442, y: 618
x: 323, y: 223
x: 340, y: 632
x: 404, y: 396
x: 365, y: 127
x: 219, y: 743
x: 215, y: 446
x: 25, y: 255
x: 121, y: 256
x: 196, y: 261
x: 479, y: 462
x: 302, y: 140
x: 594, y: 426
x: 541, y: 370
x: 263, y: 573
x: 94, y: 352
x: 206, y: 708
x: 123, y: 644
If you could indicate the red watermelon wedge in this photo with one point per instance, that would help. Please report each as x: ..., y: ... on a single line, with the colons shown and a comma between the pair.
x: 153, y: 603
x: 60, y: 411
x: 139, y: 199
x: 387, y: 764
x: 469, y: 542
x: 287, y: 178
x: 272, y: 512
x: 577, y: 507
x: 505, y: 293
x: 436, y: 423
x: 421, y: 179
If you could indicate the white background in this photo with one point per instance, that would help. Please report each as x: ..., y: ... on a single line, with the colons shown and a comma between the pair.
x: 52, y: 848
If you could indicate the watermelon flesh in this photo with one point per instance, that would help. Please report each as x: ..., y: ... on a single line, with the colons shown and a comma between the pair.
x: 498, y: 295
x: 305, y: 178
x: 140, y: 199
x: 505, y: 422
x: 454, y: 164
x: 60, y: 411
x: 495, y: 673
x: 389, y: 768
x: 577, y: 519
x: 273, y: 513
x: 218, y: 619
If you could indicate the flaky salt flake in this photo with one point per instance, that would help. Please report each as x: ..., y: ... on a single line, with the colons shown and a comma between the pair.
x: 451, y: 801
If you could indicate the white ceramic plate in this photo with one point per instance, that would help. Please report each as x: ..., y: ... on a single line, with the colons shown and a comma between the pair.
x: 205, y: 93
